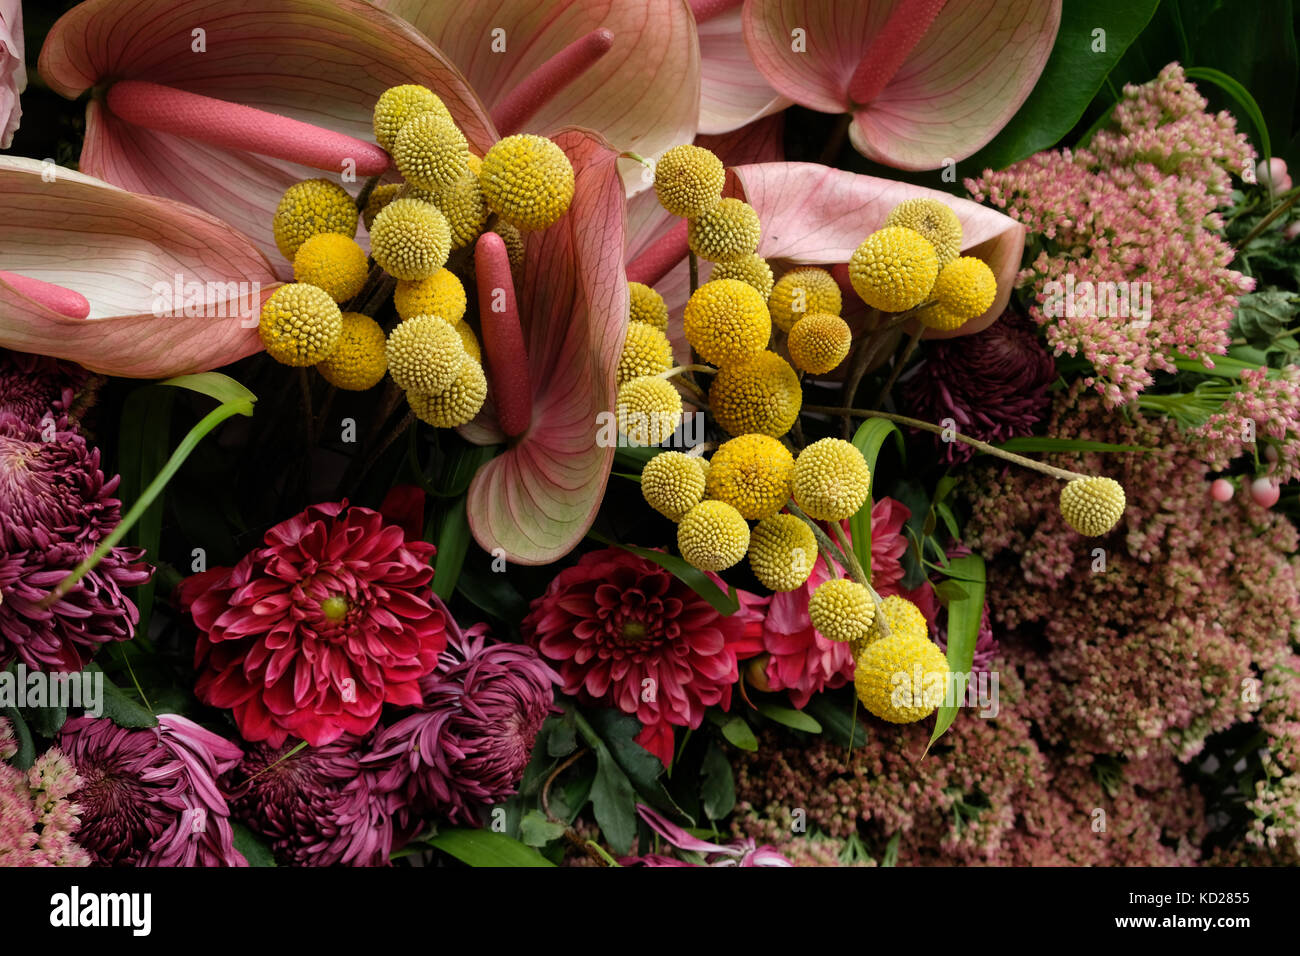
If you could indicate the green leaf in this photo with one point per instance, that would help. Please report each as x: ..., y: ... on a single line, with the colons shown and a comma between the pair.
x: 121, y: 708
x: 739, y: 733
x: 789, y: 717
x: 839, y: 723
x: 1241, y: 96
x: 695, y: 579
x: 254, y: 850
x: 536, y: 830
x: 223, y: 388
x: 453, y: 545
x: 942, y: 509
x: 964, y: 615
x: 46, y: 721
x: 487, y: 848
x: 1032, y: 443
x: 891, y: 850
x: 1264, y: 315
x: 618, y: 731
x: 493, y: 592
x: 870, y: 435
x: 142, y: 453
x: 718, y: 788
x: 26, y: 754
x: 562, y: 739
x: 612, y: 801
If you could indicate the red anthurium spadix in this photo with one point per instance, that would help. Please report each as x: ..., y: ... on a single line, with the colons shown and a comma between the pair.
x: 224, y: 104
x: 536, y: 500
x: 122, y: 283
x: 926, y: 81
x: 732, y: 91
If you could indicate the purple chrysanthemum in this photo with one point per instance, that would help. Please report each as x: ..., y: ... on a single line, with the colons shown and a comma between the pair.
x: 36, y: 386
x: 150, y: 797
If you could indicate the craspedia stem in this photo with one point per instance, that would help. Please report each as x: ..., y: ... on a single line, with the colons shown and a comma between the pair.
x: 363, y: 197
x: 706, y: 369
x: 503, y: 336
x: 695, y: 270
x: 912, y: 342
x: 541, y: 86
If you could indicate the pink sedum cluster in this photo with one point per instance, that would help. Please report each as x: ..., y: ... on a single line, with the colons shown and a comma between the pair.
x: 1273, y: 405
x: 37, y: 815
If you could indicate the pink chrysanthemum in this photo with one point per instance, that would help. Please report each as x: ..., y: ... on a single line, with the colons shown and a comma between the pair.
x: 150, y: 796
x: 37, y: 818
x: 36, y: 386
x: 626, y: 633
x: 312, y: 634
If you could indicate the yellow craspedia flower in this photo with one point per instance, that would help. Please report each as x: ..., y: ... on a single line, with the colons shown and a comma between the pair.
x: 410, y: 239
x: 463, y: 206
x: 728, y: 230
x: 647, y: 306
x: 300, y: 324
x: 425, y: 355
x: 819, y: 342
x: 379, y: 197
x: 311, y: 207
x: 359, y: 361
x: 689, y: 180
x: 441, y: 294
x: 1092, y: 506
x: 431, y: 152
x: 527, y: 181
x: 751, y: 269
x: 726, y: 321
x: 672, y: 484
x: 456, y: 404
x: 966, y: 287
x: 935, y: 221
x: 399, y: 104
x: 753, y: 474
x: 902, y: 617
x: 831, y: 480
x: 646, y: 351
x: 712, y: 536
x: 703, y: 464
x: 469, y: 340
x: 894, y: 269
x: 514, y: 241
x: 841, y: 610
x: 757, y: 394
x: 802, y: 291
x: 902, y: 679
x: 782, y: 552
x: 334, y: 263
x: 648, y: 410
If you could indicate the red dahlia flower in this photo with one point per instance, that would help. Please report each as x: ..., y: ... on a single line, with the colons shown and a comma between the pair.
x: 312, y: 634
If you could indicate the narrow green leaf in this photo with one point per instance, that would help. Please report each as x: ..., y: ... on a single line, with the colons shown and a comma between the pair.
x: 250, y: 845
x: 1241, y: 96
x: 223, y: 388
x: 740, y: 734
x: 870, y: 435
x: 487, y: 848
x: 699, y: 582
x: 964, y: 615
x: 718, y: 787
x: 789, y: 717
x: 142, y: 452
x: 891, y: 850
x: 121, y: 708
x: 453, y: 545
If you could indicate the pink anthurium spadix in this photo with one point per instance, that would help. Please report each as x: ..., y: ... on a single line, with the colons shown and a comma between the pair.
x: 732, y: 91
x: 122, y: 283
x: 536, y: 500
x: 925, y: 81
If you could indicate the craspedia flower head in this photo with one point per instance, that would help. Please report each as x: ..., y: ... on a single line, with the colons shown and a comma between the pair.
x: 648, y: 410
x: 514, y: 241
x: 359, y: 361
x: 819, y: 342
x: 332, y: 262
x: 935, y: 221
x: 425, y: 354
x: 647, y: 306
x: 441, y: 294
x: 379, y: 197
x: 782, y: 552
x: 672, y: 484
x: 463, y: 206
x: 646, y: 351
x: 410, y: 239
x: 726, y: 320
x: 894, y: 269
x: 901, y: 616
x: 469, y: 340
x: 309, y: 208
x: 455, y: 405
x: 922, y: 678
x: 431, y: 152
x: 398, y: 105
x: 841, y: 610
x: 728, y: 230
x: 753, y: 474
x: 801, y: 291
x: 758, y: 394
x: 300, y: 324
x: 966, y: 287
x: 752, y: 269
x: 689, y: 180
x: 1092, y: 506
x: 712, y: 536
x: 831, y: 479
x: 527, y: 181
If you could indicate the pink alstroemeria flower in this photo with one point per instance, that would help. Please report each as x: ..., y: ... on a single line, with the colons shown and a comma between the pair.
x: 926, y: 81
x: 735, y: 853
x: 13, y: 68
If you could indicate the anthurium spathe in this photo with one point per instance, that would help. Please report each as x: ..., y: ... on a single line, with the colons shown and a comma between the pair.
x: 732, y: 91
x: 13, y: 68
x: 121, y: 283
x: 925, y: 81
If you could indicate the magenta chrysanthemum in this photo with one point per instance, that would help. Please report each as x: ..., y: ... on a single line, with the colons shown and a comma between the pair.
x: 37, y: 816
x: 150, y: 796
x: 312, y: 634
x: 36, y: 386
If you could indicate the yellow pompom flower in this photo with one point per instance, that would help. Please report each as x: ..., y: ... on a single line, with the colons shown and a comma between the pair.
x: 431, y: 152
x: 902, y: 679
x: 645, y: 352
x: 469, y: 340
x: 463, y: 206
x: 758, y: 394
x: 1092, y: 506
x: 712, y: 536
x: 802, y: 291
x: 894, y: 269
x: 819, y: 342
x: 782, y: 552
x: 309, y: 208
x: 703, y: 464
x: 935, y: 221
x: 425, y: 355
x: 648, y: 410
x: 831, y: 480
x: 753, y: 474
x: 300, y: 324
x: 901, y: 616
x: 334, y: 263
x: 966, y: 287
x: 410, y: 239
x: 441, y: 294
x: 399, y: 104
x: 672, y: 484
x: 514, y: 241
x: 359, y: 361
x: 689, y: 180
x: 379, y: 197
x: 751, y: 269
x: 647, y: 306
x: 728, y: 230
x: 455, y: 405
x: 726, y: 321
x: 841, y: 610
x: 527, y: 181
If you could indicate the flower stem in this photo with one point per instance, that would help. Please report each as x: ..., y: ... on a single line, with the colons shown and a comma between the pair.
x: 695, y: 271
x: 1268, y: 220
x: 363, y: 197
x: 899, y: 363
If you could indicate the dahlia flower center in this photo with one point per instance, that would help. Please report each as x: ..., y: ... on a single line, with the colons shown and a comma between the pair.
x: 633, y: 631
x: 334, y: 607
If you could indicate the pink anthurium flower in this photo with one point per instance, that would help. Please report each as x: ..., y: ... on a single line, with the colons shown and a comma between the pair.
x: 13, y: 68
x: 925, y: 81
x: 121, y: 283
x: 733, y: 92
